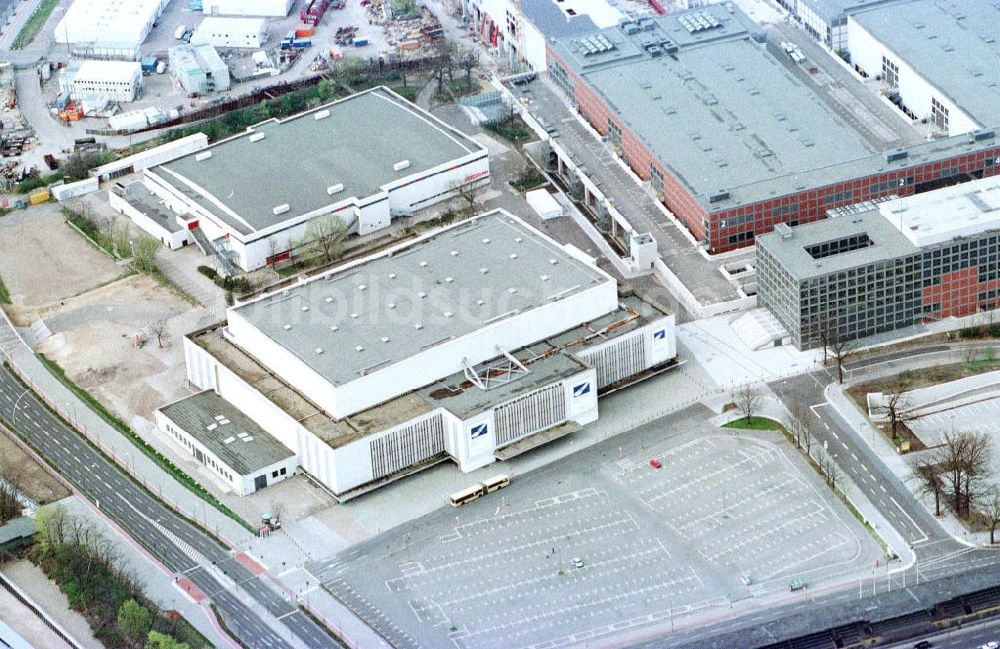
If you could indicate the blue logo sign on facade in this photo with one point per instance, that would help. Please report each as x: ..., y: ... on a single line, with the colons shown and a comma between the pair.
x: 660, y: 335
x: 582, y: 389
x: 479, y: 430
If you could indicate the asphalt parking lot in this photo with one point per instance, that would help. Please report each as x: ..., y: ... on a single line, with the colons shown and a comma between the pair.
x: 657, y: 546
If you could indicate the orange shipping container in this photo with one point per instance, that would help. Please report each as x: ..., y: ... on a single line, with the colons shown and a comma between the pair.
x: 409, y: 45
x: 304, y: 31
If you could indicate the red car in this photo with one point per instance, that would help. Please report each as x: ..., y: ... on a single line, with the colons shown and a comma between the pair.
x: 655, y: 463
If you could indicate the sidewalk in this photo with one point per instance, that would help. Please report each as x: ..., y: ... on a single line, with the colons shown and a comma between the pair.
x: 897, y: 463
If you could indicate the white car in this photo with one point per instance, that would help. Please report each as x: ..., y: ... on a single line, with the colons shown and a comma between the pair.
x: 578, y: 562
x: 992, y: 644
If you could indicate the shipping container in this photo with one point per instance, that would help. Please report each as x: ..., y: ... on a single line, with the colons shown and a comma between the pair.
x: 39, y: 197
x: 148, y: 63
x: 360, y: 42
x: 301, y: 43
x: 304, y: 31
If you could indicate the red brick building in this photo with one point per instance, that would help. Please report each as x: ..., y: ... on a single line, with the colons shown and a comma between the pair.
x: 729, y: 139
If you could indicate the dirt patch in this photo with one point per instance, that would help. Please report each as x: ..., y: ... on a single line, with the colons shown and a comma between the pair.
x: 94, y: 342
x: 27, y: 475
x: 43, y: 261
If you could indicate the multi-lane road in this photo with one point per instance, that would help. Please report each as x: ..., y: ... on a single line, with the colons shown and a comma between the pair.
x: 250, y: 608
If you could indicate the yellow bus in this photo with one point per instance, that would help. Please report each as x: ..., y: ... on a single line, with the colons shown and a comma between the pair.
x: 496, y: 482
x: 466, y: 495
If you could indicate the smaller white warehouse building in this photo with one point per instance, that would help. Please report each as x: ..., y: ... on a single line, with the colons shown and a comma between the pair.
x: 119, y: 81
x: 367, y: 159
x: 228, y: 443
x: 473, y: 343
x: 244, y: 33
x: 198, y: 68
x: 269, y: 8
x: 940, y: 56
x: 520, y: 29
x: 112, y: 23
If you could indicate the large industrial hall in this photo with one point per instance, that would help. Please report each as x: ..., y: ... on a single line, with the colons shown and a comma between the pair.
x: 471, y: 343
x: 411, y: 160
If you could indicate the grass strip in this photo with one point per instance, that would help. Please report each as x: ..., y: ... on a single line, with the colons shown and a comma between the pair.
x: 34, y: 24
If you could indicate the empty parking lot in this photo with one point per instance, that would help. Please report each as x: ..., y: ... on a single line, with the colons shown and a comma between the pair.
x: 656, y: 545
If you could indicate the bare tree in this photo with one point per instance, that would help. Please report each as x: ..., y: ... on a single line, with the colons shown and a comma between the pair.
x: 747, y: 400
x: 799, y: 426
x: 468, y: 60
x: 326, y: 234
x: 963, y: 463
x: 159, y: 329
x: 831, y: 469
x: 897, y: 410
x: 841, y: 349
x: 468, y: 193
x: 10, y: 506
x: 925, y: 473
x: 991, y: 512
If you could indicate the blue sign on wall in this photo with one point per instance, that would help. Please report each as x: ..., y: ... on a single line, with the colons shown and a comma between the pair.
x: 660, y: 335
x: 479, y: 430
x: 582, y: 389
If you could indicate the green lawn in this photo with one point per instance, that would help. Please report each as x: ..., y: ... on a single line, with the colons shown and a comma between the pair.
x: 4, y: 293
x: 34, y: 24
x: 755, y: 423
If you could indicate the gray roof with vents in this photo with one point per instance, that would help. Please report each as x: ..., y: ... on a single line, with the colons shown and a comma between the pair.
x: 953, y: 44
x: 473, y: 274
x: 834, y: 11
x: 235, y: 439
x: 299, y: 157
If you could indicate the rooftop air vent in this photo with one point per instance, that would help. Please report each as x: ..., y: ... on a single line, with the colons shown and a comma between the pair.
x: 449, y: 280
x: 359, y: 348
x: 486, y: 240
x: 257, y: 137
x: 421, y: 294
x: 334, y: 328
x: 894, y: 155
x: 553, y: 261
x: 319, y: 350
x: 418, y: 326
x: 305, y: 308
x: 402, y: 164
x: 385, y: 339
x: 718, y: 196
x: 281, y: 209
x: 361, y: 287
x: 512, y: 290
x: 392, y: 275
x: 423, y: 264
x: 453, y: 253
x: 335, y: 189
x: 329, y: 299
x: 448, y: 314
x: 287, y: 327
x: 321, y: 114
x: 484, y: 270
x: 204, y: 155
x: 513, y: 255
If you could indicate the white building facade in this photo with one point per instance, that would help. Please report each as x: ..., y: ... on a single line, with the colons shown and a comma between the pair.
x: 117, y: 80
x: 116, y: 24
x: 243, y: 33
x: 275, y: 8
x: 471, y: 397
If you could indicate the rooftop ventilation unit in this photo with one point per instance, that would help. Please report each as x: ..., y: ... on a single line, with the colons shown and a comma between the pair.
x: 319, y: 350
x: 305, y: 308
x: 329, y: 299
x: 453, y: 253
x: 385, y: 339
x: 321, y: 114
x: 784, y: 230
x: 257, y: 137
x: 359, y: 348
x: 281, y: 209
x: 484, y: 270
x: 718, y: 196
x: 334, y: 328
x: 335, y: 189
x: 983, y: 134
x: 287, y: 327
x: 448, y: 314
x: 204, y: 155
x: 354, y: 316
x: 894, y: 155
x: 402, y: 164
x: 418, y: 326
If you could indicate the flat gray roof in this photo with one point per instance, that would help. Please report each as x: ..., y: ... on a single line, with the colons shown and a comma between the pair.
x: 435, y: 289
x: 357, y: 145
x: 832, y: 11
x: 723, y: 114
x: 552, y: 21
x: 234, y: 438
x: 888, y: 243
x: 950, y: 43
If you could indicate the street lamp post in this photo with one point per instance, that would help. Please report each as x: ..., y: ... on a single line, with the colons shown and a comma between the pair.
x: 13, y: 412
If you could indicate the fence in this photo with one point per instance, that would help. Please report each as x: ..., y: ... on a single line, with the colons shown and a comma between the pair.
x: 39, y: 612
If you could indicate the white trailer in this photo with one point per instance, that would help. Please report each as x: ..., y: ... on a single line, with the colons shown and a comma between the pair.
x: 544, y: 204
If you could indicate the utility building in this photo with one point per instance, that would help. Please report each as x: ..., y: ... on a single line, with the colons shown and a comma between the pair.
x: 244, y: 33
x: 475, y: 343
x: 367, y: 159
x: 117, y: 80
x: 198, y: 68
x: 885, y: 266
x: 731, y: 141
x: 247, y: 7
